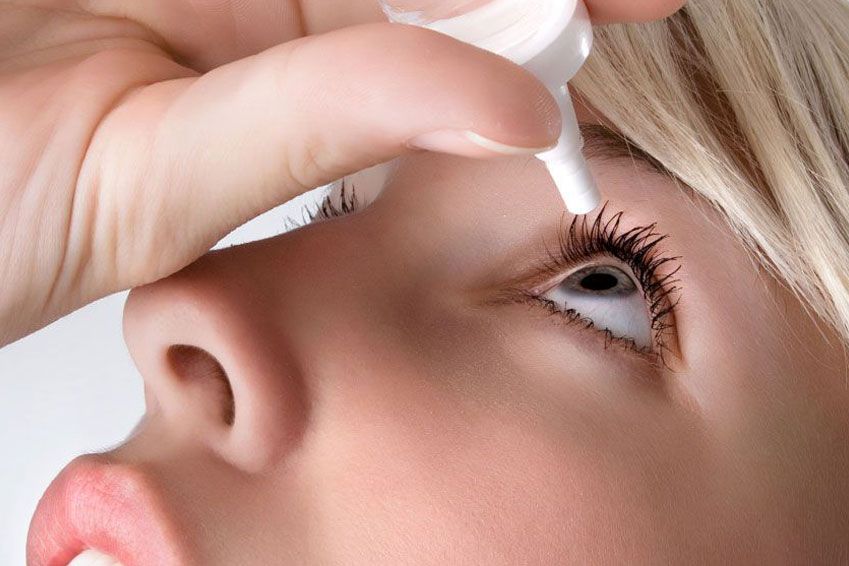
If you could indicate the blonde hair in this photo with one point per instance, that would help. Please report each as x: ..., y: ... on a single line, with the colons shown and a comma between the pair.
x: 747, y: 103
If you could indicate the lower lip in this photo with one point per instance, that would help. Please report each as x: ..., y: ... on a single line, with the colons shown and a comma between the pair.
x: 102, y: 507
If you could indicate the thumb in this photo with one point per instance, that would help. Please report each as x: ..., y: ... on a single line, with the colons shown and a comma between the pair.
x: 194, y: 158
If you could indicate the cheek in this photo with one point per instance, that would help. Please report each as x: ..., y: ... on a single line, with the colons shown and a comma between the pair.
x: 453, y: 483
x: 445, y: 450
x: 430, y: 483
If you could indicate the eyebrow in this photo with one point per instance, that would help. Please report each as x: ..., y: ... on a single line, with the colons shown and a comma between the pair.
x: 605, y: 143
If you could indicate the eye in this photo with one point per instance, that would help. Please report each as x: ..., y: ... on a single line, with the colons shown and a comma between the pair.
x: 608, y: 296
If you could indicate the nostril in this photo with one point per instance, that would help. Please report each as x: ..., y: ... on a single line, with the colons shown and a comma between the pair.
x: 195, y: 365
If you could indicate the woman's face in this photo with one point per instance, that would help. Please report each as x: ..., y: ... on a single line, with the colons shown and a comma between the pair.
x: 407, y: 387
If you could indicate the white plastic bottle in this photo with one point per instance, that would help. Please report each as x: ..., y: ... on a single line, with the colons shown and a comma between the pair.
x: 550, y: 38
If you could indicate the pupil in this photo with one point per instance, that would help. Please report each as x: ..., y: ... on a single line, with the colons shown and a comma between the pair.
x: 599, y: 282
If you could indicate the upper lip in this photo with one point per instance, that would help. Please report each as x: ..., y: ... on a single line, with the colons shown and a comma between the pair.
x: 106, y: 506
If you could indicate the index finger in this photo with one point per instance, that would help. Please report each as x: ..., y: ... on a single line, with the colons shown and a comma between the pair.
x: 623, y: 11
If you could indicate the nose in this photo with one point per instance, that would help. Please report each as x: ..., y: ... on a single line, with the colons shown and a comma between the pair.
x: 212, y: 375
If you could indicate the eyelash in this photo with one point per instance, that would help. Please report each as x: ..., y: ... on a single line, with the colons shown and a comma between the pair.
x: 638, y: 248
x: 327, y: 208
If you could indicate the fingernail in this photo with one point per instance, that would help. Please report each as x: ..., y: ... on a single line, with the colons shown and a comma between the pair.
x: 469, y: 144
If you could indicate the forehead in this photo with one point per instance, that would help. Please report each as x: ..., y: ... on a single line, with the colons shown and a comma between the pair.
x: 519, y: 190
x: 617, y: 164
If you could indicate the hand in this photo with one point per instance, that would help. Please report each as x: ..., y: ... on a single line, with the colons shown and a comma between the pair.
x: 134, y: 135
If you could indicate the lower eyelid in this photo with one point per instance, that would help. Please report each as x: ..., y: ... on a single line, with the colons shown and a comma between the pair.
x: 578, y: 323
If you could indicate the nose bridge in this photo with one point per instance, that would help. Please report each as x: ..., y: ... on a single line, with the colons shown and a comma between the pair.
x: 214, y: 308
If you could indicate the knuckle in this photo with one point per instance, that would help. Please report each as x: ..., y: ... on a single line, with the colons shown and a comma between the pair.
x: 306, y: 157
x: 307, y: 162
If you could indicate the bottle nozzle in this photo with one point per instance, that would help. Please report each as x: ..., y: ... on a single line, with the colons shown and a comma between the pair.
x: 566, y: 163
x: 566, y: 42
x: 573, y: 179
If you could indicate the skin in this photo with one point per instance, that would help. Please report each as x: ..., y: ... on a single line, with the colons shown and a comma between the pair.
x: 386, y: 411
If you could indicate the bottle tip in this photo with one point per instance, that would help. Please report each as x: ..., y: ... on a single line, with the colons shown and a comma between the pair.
x: 582, y: 203
x: 576, y: 186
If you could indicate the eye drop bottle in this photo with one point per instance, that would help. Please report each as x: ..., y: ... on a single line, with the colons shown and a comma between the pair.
x: 550, y: 38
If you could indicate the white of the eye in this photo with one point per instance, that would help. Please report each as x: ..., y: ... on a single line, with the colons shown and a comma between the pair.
x: 626, y: 316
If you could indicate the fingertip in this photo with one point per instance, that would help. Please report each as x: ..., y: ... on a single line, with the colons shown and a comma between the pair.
x: 630, y: 11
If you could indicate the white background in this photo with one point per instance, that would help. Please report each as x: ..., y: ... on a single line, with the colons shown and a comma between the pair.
x: 71, y: 388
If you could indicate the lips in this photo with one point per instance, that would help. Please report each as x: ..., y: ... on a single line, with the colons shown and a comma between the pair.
x: 104, y: 506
